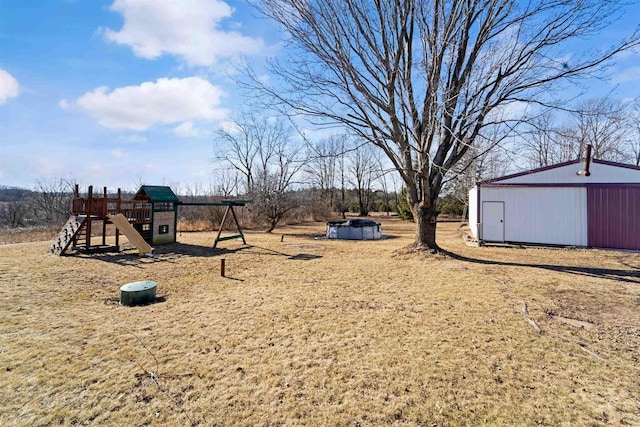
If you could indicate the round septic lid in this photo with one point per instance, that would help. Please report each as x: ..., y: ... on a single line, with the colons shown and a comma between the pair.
x: 138, y: 286
x: 138, y: 293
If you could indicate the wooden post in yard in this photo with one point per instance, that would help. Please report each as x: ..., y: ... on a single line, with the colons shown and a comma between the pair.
x: 118, y: 207
x: 89, y: 208
x: 222, y: 260
x: 104, y: 217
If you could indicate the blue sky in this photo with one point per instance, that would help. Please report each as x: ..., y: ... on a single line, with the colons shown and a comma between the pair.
x: 115, y: 93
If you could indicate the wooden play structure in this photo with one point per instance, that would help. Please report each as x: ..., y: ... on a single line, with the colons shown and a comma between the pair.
x: 92, y: 214
x: 149, y: 219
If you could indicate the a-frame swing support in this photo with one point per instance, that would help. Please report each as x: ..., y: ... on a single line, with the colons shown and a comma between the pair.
x: 224, y: 220
x: 229, y: 204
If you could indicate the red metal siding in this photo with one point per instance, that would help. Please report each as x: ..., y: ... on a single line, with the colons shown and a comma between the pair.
x: 613, y: 216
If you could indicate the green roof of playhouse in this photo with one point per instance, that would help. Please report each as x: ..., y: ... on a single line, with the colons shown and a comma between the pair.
x: 156, y: 193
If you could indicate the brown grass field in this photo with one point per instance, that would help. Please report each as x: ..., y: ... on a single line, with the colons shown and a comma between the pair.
x: 321, y: 333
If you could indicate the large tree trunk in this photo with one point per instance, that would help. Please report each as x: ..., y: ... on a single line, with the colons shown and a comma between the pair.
x: 426, y: 221
x: 363, y: 207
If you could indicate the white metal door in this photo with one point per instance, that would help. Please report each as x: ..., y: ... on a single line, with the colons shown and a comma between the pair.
x: 493, y: 221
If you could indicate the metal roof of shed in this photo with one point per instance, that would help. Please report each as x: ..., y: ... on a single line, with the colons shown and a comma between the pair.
x: 156, y: 193
x: 602, y: 172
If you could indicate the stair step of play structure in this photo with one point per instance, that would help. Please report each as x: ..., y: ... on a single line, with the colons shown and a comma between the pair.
x: 72, y: 229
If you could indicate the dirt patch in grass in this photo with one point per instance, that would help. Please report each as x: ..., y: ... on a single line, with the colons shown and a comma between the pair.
x: 308, y: 332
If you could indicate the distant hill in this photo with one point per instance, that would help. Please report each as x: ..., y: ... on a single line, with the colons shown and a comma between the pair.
x: 14, y: 194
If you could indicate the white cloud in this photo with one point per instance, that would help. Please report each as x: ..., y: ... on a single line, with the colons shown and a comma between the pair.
x: 9, y: 87
x: 511, y: 111
x: 118, y: 153
x: 96, y: 168
x: 628, y: 54
x: 319, y: 133
x: 628, y: 75
x: 186, y: 130
x: 264, y: 79
x: 187, y: 29
x: 64, y: 104
x: 134, y: 138
x: 229, y: 126
x: 161, y: 102
x: 46, y: 166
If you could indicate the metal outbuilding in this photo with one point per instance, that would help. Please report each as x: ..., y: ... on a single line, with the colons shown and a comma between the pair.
x: 591, y: 204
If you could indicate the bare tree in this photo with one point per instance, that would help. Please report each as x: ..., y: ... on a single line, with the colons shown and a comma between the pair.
x: 272, y: 191
x: 52, y: 198
x: 634, y: 138
x: 601, y: 123
x: 382, y: 175
x: 634, y: 149
x: 361, y: 168
x: 487, y: 159
x: 14, y: 214
x: 420, y: 79
x: 224, y: 183
x: 541, y: 141
x: 247, y: 143
x: 321, y: 167
x: 343, y: 181
x: 261, y: 149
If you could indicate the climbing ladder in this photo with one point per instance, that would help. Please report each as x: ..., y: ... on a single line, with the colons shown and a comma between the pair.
x: 74, y: 230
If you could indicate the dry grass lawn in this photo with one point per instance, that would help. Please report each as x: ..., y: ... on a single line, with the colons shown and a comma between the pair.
x: 316, y: 332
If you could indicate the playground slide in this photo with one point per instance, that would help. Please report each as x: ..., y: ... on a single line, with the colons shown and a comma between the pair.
x: 134, y: 237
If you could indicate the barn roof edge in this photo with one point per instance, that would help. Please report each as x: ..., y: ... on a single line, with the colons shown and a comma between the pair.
x: 557, y: 165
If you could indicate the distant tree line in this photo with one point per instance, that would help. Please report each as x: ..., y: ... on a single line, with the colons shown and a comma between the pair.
x: 611, y: 127
x: 49, y: 203
x: 287, y: 175
x: 291, y: 178
x: 270, y: 161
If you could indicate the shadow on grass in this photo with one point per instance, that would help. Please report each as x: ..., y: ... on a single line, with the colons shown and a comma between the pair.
x: 321, y: 237
x: 249, y: 250
x: 630, y: 276
x: 116, y: 301
x: 304, y: 257
x: 172, y: 252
